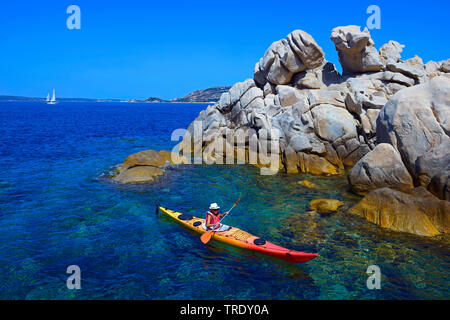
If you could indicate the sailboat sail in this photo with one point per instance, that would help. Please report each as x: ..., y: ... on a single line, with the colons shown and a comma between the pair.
x: 48, y: 97
x: 52, y: 100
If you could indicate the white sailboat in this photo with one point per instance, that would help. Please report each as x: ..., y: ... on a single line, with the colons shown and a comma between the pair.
x: 52, y: 100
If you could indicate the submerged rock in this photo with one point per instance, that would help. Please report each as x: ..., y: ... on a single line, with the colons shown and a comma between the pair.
x: 139, y: 174
x: 307, y: 184
x: 325, y: 205
x: 417, y: 211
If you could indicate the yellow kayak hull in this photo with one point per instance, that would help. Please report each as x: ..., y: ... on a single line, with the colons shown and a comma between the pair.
x: 239, y: 238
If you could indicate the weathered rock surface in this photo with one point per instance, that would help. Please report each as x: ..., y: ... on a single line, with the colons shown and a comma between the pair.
x: 139, y: 174
x: 145, y: 166
x: 332, y: 123
x: 356, y: 49
x: 381, y: 167
x: 416, y: 121
x: 143, y: 158
x: 311, y: 163
x: 307, y: 184
x: 390, y: 52
x: 318, y: 78
x: 288, y: 56
x: 172, y: 157
x: 417, y: 211
x: 325, y: 205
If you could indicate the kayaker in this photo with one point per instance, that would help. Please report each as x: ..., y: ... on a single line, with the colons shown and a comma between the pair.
x: 213, y: 217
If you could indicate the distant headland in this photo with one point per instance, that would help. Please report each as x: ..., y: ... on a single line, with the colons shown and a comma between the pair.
x: 209, y: 95
x: 199, y: 96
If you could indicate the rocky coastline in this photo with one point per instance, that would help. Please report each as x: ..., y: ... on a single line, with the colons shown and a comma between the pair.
x: 385, y: 122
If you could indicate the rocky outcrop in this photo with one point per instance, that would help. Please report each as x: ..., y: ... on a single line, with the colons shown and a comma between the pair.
x: 381, y: 167
x: 297, y: 53
x: 356, y: 49
x: 146, y: 166
x: 415, y: 211
x: 325, y: 205
x: 326, y: 122
x: 416, y: 122
x: 390, y: 52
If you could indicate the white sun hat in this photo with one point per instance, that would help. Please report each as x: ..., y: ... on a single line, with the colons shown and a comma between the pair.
x: 214, y: 206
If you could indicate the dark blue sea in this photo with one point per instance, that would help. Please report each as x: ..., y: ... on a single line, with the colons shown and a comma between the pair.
x: 59, y: 208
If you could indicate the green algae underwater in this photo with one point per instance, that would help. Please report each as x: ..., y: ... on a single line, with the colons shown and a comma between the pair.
x: 59, y: 208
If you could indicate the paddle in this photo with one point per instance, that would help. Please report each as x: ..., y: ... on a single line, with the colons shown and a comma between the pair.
x: 208, y: 234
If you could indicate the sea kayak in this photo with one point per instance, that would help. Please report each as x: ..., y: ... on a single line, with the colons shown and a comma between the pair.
x: 239, y: 238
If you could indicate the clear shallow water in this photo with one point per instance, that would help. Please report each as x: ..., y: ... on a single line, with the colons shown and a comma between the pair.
x: 58, y: 208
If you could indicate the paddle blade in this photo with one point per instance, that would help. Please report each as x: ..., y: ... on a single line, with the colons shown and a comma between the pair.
x: 206, y: 236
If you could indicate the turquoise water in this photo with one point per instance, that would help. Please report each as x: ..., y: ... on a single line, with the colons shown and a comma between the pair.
x: 58, y: 208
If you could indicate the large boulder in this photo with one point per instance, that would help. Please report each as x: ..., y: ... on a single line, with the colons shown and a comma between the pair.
x: 445, y: 66
x: 143, y: 158
x: 145, y: 166
x: 417, y: 211
x: 332, y: 123
x: 286, y: 57
x: 318, y: 78
x: 314, y: 164
x: 390, y: 52
x: 416, y: 122
x: 307, y: 142
x: 433, y: 170
x: 324, y: 96
x: 288, y: 95
x: 356, y: 50
x: 306, y: 48
x: 381, y: 167
x: 229, y: 99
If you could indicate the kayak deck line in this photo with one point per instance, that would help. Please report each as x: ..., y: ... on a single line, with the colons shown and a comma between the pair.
x: 239, y: 238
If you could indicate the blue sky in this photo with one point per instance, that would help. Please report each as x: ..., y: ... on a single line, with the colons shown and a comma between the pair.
x: 136, y: 49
